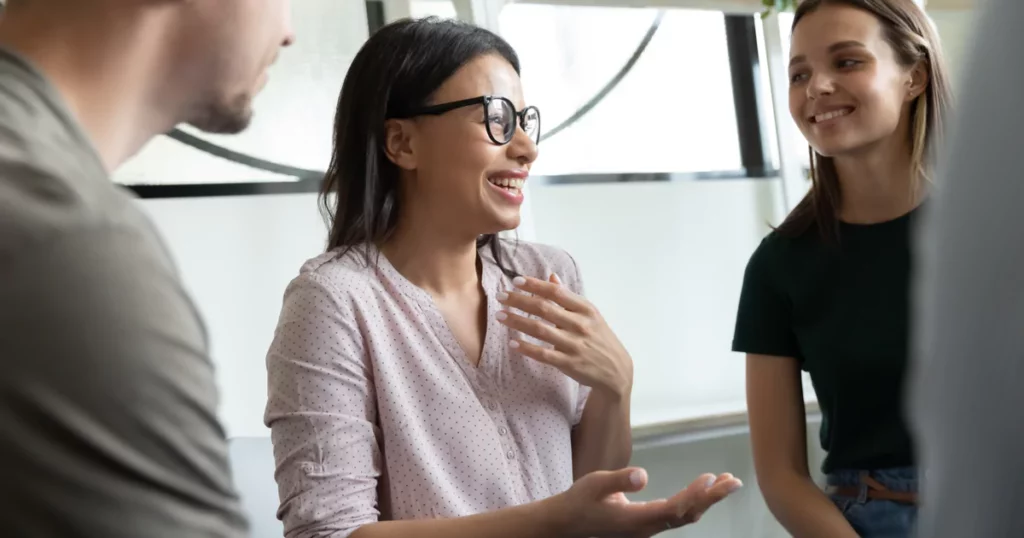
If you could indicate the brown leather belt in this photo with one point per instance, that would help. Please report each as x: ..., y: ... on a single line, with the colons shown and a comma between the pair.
x: 875, y: 490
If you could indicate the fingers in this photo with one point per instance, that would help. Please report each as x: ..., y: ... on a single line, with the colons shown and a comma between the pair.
x: 725, y: 486
x: 539, y: 330
x: 660, y: 514
x: 554, y: 292
x: 607, y: 483
x: 681, y: 503
x: 701, y: 495
x: 545, y: 355
x: 542, y: 308
x: 633, y: 480
x: 687, y: 507
x: 647, y: 518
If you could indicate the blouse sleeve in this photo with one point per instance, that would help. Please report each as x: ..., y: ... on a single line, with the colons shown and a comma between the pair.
x: 322, y: 415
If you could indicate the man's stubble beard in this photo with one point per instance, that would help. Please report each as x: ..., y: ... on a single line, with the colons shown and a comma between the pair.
x: 231, y: 117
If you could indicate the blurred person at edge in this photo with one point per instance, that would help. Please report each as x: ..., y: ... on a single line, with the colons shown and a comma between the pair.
x: 107, y: 399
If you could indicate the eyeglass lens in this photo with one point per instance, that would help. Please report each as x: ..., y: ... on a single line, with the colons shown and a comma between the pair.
x: 501, y: 119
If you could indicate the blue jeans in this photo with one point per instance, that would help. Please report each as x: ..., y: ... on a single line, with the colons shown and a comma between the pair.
x: 873, y: 518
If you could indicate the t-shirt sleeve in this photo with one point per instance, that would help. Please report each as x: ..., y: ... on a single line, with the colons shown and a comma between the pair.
x: 110, y: 393
x: 764, y: 317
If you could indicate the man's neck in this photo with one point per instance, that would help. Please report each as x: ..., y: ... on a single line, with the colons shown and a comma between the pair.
x: 106, y: 68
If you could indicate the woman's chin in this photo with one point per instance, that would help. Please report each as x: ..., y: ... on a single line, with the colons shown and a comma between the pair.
x: 504, y: 223
x: 511, y: 223
x: 840, y: 147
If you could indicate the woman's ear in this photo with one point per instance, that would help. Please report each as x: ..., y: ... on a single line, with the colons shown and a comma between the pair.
x: 399, y: 143
x: 918, y: 82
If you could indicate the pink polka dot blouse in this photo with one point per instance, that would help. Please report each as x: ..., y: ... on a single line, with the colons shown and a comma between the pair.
x: 376, y: 413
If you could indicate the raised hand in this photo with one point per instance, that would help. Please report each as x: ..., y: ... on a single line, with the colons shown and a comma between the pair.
x: 596, y: 505
x: 583, y: 345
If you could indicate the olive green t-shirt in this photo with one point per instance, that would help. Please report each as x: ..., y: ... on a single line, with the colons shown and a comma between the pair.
x: 108, y: 402
x: 841, y: 310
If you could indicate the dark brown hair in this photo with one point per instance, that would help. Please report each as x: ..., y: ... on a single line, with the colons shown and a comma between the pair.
x: 913, y: 38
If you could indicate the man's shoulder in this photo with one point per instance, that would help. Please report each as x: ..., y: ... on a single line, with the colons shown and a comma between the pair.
x: 52, y: 185
x: 61, y: 231
x: 37, y: 128
x: 39, y: 209
x: 51, y: 179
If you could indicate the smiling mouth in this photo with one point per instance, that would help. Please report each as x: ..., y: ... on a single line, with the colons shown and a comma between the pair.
x: 512, y: 185
x: 831, y: 115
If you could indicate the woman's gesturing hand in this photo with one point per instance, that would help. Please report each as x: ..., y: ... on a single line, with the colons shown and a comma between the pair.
x: 584, y: 346
x: 596, y: 505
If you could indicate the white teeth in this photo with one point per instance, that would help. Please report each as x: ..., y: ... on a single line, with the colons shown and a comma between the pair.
x: 829, y: 115
x: 510, y: 183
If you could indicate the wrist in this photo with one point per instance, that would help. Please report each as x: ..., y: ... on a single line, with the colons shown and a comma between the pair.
x: 554, y: 516
x: 616, y: 391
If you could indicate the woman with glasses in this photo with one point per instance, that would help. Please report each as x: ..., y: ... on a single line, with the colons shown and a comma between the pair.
x: 428, y: 378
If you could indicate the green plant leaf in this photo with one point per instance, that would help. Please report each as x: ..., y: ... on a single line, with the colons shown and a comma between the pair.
x: 777, y: 6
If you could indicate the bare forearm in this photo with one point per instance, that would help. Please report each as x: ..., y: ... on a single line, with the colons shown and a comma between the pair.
x: 604, y: 439
x: 804, y: 510
x: 538, y: 519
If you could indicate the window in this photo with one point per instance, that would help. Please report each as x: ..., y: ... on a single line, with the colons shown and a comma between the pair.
x: 765, y: 97
x: 438, y: 8
x: 673, y: 112
x: 292, y: 126
x: 785, y: 28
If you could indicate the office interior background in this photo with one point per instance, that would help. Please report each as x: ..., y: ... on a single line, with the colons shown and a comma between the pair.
x: 669, y: 153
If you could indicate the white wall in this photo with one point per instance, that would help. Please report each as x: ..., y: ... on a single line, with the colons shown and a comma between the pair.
x: 236, y: 255
x: 664, y: 262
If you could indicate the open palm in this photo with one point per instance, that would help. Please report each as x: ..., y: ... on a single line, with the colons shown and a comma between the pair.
x: 615, y: 516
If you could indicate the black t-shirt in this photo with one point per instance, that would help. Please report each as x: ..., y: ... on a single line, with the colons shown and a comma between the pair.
x: 842, y: 311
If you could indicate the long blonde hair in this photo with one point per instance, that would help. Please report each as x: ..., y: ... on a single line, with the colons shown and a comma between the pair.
x: 913, y: 37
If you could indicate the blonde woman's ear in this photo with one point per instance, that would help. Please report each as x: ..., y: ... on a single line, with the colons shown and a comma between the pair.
x: 918, y: 81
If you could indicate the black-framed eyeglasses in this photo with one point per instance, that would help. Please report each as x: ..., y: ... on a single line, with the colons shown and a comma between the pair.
x: 500, y: 115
